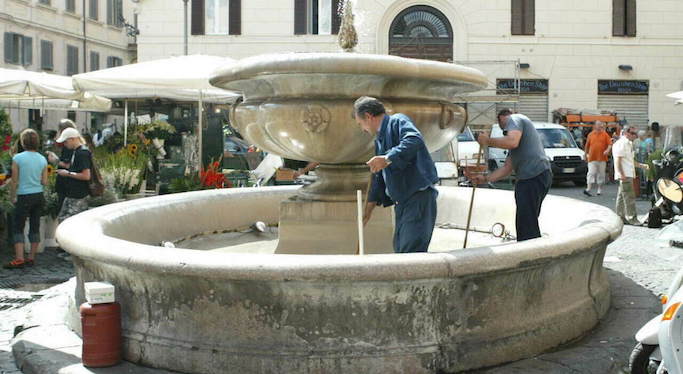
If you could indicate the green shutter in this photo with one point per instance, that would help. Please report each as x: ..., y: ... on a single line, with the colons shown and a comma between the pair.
x: 9, y: 48
x: 27, y: 51
x: 618, y: 17
x: 300, y: 14
x: 517, y: 17
x: 630, y: 17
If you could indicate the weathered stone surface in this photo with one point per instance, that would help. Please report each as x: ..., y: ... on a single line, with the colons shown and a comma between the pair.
x: 199, y: 312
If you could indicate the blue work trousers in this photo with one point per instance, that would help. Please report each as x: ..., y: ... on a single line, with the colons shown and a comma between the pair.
x: 529, y: 195
x: 415, y: 218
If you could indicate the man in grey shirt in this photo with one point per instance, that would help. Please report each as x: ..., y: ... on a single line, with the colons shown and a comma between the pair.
x: 532, y: 168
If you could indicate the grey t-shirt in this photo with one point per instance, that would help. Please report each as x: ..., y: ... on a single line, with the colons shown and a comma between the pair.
x: 528, y: 159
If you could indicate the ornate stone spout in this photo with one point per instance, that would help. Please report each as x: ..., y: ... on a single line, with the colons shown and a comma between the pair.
x: 348, y: 38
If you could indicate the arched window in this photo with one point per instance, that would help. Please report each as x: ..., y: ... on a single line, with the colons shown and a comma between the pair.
x: 421, y: 32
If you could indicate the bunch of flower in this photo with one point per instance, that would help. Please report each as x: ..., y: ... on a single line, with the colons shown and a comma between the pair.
x: 5, y: 160
x: 211, y: 177
x: 158, y: 130
x: 123, y: 171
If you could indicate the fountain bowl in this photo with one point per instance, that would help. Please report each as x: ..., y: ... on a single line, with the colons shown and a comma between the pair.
x: 197, y: 311
x: 300, y: 105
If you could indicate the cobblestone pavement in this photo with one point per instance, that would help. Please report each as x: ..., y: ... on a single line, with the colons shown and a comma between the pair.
x: 633, y: 256
x: 20, y: 287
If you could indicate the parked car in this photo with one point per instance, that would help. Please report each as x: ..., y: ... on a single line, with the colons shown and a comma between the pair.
x: 567, y: 159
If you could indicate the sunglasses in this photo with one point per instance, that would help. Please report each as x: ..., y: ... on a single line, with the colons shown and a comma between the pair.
x: 632, y: 133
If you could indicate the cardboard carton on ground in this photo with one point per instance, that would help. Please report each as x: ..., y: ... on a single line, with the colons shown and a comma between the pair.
x: 99, y: 292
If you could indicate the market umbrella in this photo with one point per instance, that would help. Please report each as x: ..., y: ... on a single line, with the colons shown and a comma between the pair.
x: 678, y: 96
x: 177, y: 78
x: 29, y: 89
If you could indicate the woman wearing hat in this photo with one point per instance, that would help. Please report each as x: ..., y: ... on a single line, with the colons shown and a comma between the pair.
x: 77, y: 174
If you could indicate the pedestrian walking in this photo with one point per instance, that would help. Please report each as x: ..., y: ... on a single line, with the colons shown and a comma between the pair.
x: 404, y: 175
x: 532, y: 168
x: 625, y: 172
x: 77, y: 174
x: 598, y: 148
x: 29, y: 175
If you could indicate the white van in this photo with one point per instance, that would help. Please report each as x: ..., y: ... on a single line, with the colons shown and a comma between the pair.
x: 568, y: 161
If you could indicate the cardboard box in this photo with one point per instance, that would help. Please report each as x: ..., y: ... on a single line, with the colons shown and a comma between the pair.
x: 99, y: 292
x: 284, y: 174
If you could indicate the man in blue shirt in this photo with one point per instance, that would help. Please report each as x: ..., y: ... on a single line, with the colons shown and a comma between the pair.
x: 404, y: 175
x: 532, y: 169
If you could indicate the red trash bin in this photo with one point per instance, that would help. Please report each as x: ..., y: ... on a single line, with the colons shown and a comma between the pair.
x: 101, y: 325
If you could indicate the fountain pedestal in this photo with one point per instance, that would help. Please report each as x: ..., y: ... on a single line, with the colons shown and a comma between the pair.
x: 322, y: 217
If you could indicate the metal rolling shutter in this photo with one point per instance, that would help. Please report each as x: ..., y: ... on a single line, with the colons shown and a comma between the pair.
x: 533, y: 106
x: 632, y: 108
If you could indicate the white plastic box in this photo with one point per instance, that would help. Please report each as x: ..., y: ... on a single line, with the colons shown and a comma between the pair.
x: 99, y: 292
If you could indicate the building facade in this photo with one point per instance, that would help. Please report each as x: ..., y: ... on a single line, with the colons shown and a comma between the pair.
x: 51, y: 36
x: 620, y: 55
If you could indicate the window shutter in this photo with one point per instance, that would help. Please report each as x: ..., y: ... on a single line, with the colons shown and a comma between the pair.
x: 618, y: 17
x: 9, y: 47
x: 72, y: 60
x: 336, y: 17
x: 93, y: 9
x: 27, y: 51
x: 46, y: 55
x: 529, y: 17
x: 110, y: 12
x: 517, y: 17
x: 94, y: 61
x: 300, y: 13
x: 631, y: 17
x: 197, y: 17
x: 235, y: 17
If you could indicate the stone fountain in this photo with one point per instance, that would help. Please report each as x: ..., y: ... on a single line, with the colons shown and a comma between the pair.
x: 212, y: 312
x: 300, y: 106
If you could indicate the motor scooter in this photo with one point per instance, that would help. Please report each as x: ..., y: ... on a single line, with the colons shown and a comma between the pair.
x: 660, y: 341
x: 668, y: 189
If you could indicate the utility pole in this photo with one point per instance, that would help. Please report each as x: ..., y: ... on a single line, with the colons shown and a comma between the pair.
x: 185, y: 26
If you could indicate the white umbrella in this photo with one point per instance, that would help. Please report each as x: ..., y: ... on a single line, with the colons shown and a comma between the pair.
x: 178, y: 78
x: 28, y: 89
x: 677, y: 96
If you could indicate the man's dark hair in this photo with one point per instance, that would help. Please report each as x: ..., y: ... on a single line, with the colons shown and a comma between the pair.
x: 29, y: 140
x: 366, y: 104
x: 504, y: 112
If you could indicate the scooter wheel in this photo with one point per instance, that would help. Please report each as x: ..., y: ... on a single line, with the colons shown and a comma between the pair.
x: 639, y: 361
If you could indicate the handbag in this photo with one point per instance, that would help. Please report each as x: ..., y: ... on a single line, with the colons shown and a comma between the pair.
x: 96, y: 183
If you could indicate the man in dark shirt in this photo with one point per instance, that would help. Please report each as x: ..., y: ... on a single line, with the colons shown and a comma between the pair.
x: 404, y: 175
x: 78, y: 174
x: 532, y: 169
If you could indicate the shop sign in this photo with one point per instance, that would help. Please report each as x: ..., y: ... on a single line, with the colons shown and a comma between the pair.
x: 621, y: 87
x: 526, y: 86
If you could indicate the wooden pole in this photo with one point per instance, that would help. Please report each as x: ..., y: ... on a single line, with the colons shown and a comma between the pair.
x: 474, y: 189
x: 359, y: 200
x: 361, y: 209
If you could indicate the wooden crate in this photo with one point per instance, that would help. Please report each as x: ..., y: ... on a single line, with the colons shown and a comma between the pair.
x: 283, y: 174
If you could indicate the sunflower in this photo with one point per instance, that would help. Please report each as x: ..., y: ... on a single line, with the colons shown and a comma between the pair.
x: 50, y: 169
x: 132, y: 149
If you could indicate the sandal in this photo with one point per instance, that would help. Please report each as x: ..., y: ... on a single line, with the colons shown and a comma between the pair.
x: 29, y: 262
x: 14, y: 264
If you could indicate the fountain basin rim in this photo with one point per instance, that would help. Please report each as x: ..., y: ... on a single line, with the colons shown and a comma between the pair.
x: 83, y: 236
x: 348, y: 63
